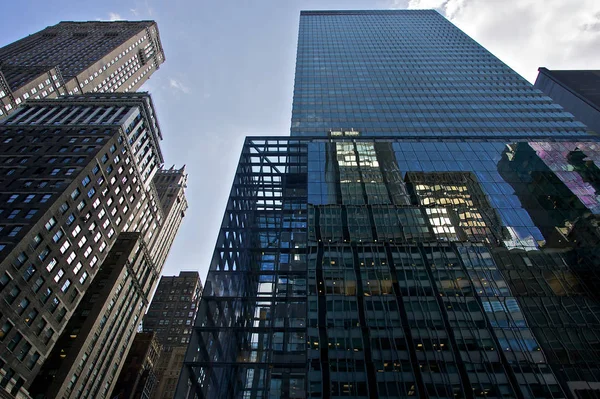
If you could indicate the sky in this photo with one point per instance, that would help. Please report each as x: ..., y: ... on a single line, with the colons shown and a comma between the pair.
x: 229, y: 73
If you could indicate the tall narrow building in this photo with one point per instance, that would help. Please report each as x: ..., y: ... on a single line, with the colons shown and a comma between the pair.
x: 75, y: 172
x: 87, y: 358
x: 576, y: 91
x: 171, y: 317
x: 429, y: 230
x: 78, y: 57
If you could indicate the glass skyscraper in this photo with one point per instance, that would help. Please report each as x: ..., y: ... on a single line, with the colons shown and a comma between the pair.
x: 428, y: 230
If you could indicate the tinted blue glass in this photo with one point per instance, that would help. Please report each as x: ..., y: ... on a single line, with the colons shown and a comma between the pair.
x: 410, y: 73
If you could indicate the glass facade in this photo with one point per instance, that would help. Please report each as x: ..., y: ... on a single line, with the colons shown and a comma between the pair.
x: 428, y: 230
x: 410, y: 73
x: 367, y: 268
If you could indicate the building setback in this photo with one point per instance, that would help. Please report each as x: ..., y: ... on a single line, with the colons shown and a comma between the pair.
x: 171, y: 316
x: 78, y: 57
x: 170, y: 187
x: 428, y: 230
x: 75, y: 172
x: 576, y: 91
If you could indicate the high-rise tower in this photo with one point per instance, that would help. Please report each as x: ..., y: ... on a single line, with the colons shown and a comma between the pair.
x: 171, y: 317
x: 78, y: 57
x: 409, y: 73
x: 429, y: 230
x: 75, y: 172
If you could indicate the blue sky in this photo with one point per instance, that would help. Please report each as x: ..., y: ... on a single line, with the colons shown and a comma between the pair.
x: 229, y: 73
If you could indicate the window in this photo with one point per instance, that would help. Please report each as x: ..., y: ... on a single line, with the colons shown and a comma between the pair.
x: 58, y: 235
x: 22, y: 306
x: 86, y: 180
x: 30, y: 213
x: 75, y: 194
x: 91, y: 192
x: 70, y: 219
x: 33, y: 360
x: 71, y: 258
x: 15, y: 231
x: 104, y: 158
x: 36, y: 241
x: 13, y: 214
x: 83, y: 278
x: 82, y: 241
x: 96, y: 203
x: 66, y: 285
x: 33, y: 313
x: 13, y: 294
x: 29, y: 198
x: 59, y: 275
x: 51, y: 264
x: 25, y: 348
x: 21, y: 259
x: 102, y: 246
x: 28, y: 273
x: 76, y: 231
x: 15, y: 341
x: 12, y: 198
x: 45, y: 198
x: 63, y: 208
x: 4, y: 280
x: 54, y: 305
x: 77, y: 268
x: 81, y: 205
x: 5, y: 329
x: 38, y: 284
x: 55, y: 172
x: 65, y: 246
x: 44, y: 253
x: 50, y: 223
x: 96, y: 169
x: 88, y: 251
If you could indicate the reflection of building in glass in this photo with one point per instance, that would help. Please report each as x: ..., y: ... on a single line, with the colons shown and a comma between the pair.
x: 396, y: 262
x: 455, y: 198
x: 550, y: 187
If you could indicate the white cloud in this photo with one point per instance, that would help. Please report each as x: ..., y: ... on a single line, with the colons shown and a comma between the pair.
x: 527, y: 34
x: 113, y: 16
x: 178, y: 85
